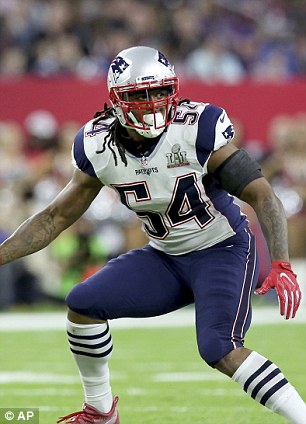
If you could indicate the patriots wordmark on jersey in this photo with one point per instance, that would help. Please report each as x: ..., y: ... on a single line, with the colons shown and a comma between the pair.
x: 180, y: 204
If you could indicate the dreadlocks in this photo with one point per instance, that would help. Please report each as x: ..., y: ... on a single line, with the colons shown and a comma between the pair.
x: 110, y: 140
x: 181, y: 101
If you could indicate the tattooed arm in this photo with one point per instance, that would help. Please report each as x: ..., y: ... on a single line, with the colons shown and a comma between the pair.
x: 243, y: 178
x: 271, y: 216
x: 42, y: 228
x: 269, y: 210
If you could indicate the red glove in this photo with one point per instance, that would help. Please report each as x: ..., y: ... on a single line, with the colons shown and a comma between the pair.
x: 283, y: 280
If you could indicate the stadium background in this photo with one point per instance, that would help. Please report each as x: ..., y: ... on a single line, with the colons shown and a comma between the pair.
x: 249, y: 57
x: 53, y: 58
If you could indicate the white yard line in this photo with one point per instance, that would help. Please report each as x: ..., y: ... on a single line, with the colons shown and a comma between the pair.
x: 38, y: 321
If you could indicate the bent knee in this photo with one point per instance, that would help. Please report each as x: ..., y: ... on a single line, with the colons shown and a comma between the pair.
x: 213, y: 347
x: 211, y: 354
x: 82, y: 300
x: 78, y: 298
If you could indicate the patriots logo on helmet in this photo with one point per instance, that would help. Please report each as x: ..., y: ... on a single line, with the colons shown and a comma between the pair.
x: 162, y: 59
x: 118, y: 65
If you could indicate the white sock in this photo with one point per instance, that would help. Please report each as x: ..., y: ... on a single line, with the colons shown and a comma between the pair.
x: 265, y: 383
x: 91, y: 346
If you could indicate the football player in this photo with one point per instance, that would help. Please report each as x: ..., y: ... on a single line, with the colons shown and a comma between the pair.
x: 171, y: 161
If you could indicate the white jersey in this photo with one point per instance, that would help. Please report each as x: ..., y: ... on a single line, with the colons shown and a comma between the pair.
x: 181, y: 206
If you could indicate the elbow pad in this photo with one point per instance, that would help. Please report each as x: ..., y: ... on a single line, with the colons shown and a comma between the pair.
x: 237, y: 171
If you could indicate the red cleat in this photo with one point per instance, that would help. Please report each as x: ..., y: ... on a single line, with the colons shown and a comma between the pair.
x: 91, y: 415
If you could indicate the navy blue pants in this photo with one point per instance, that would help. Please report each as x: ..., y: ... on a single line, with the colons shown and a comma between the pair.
x: 146, y: 282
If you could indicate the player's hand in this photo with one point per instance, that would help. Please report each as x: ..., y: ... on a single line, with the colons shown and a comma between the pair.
x: 283, y: 280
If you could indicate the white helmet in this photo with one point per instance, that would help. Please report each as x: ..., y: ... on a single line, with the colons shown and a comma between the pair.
x: 139, y: 69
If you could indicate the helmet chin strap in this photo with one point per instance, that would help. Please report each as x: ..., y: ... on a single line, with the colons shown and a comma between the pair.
x: 149, y: 119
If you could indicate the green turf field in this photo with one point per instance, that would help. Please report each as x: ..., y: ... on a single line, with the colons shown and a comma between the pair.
x: 157, y: 374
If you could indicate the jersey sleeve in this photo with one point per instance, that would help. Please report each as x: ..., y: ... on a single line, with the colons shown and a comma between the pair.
x: 214, y: 131
x: 224, y: 131
x: 79, y: 157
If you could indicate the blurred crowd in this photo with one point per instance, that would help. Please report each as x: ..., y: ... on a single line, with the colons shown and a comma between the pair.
x: 284, y: 166
x: 215, y: 40
x: 35, y: 165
